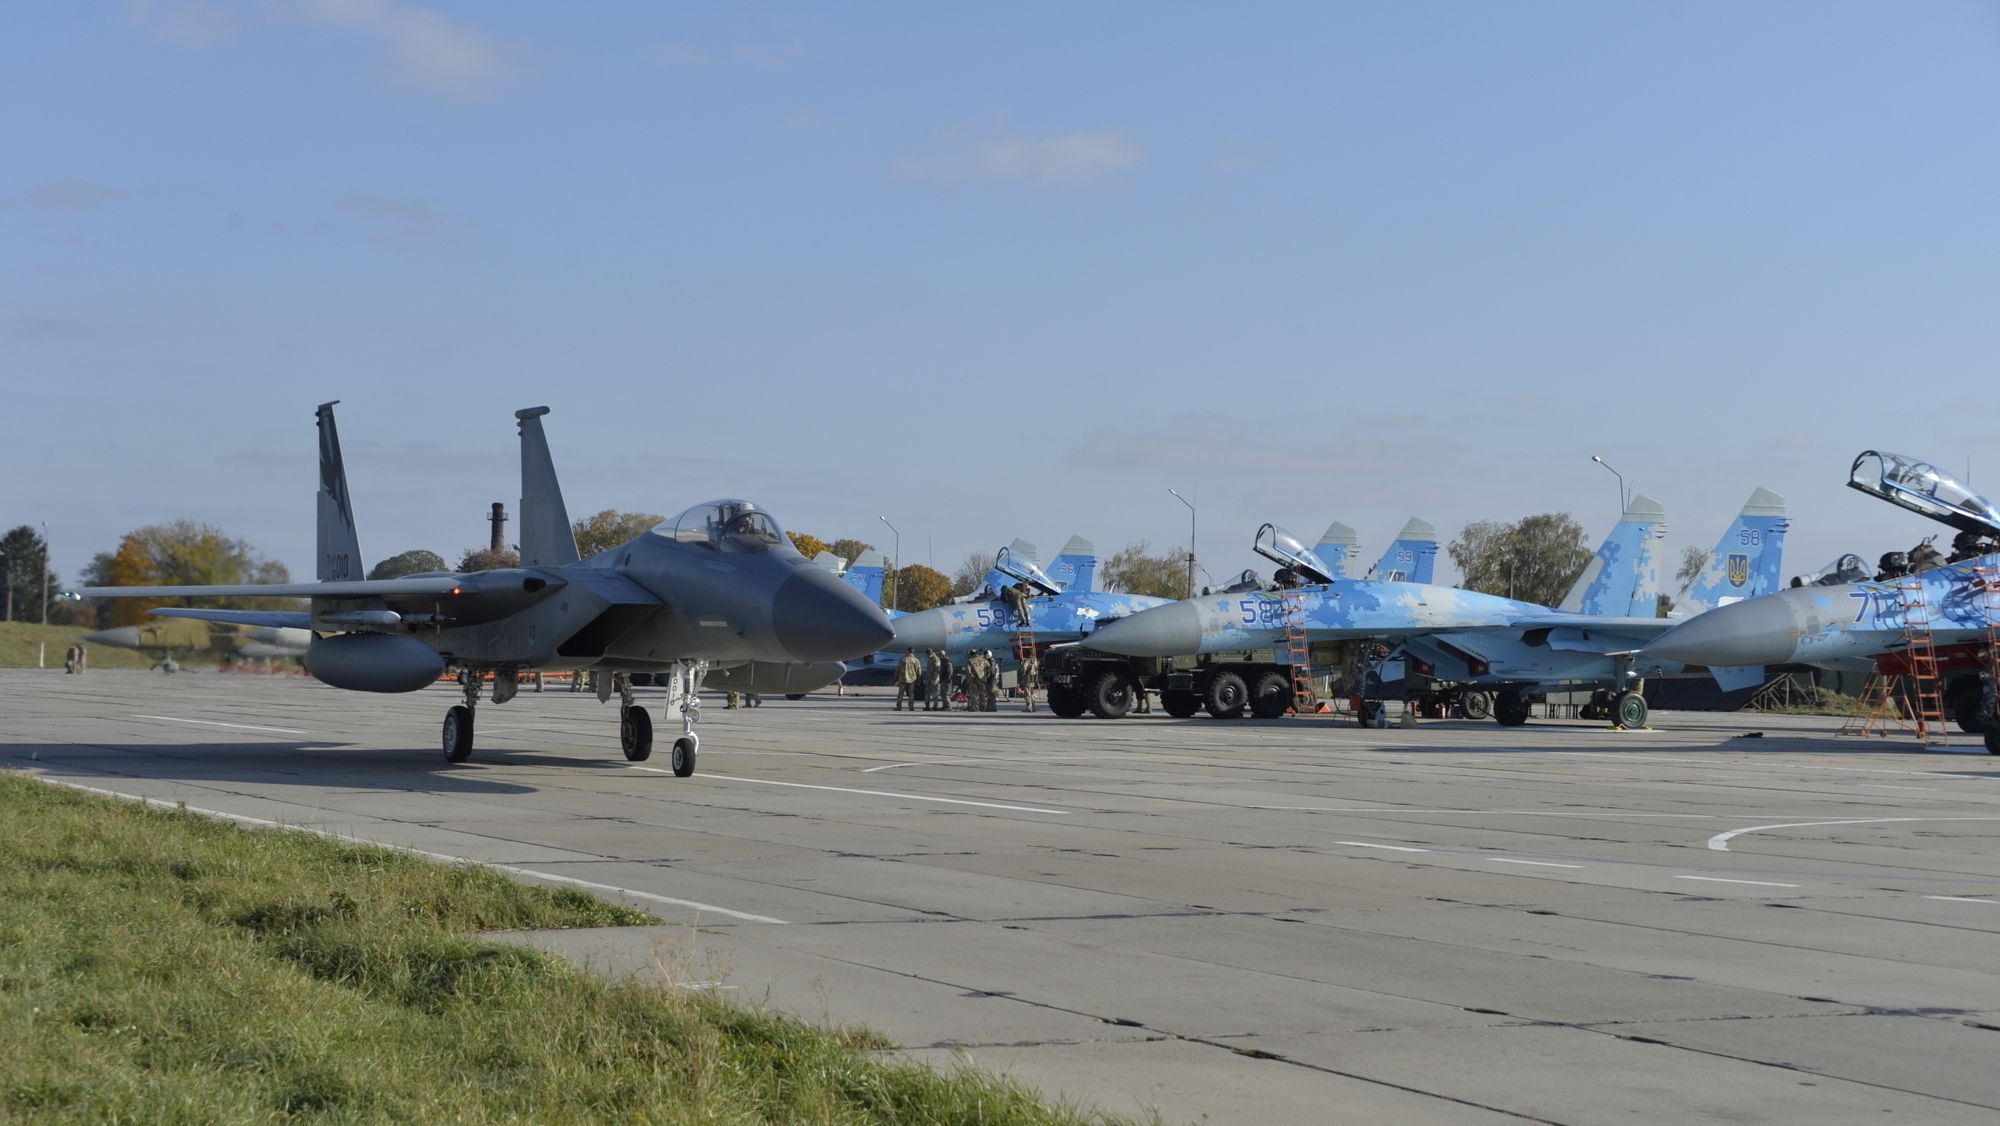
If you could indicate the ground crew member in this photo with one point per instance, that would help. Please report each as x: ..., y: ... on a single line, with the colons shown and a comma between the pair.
x: 934, y: 686
x: 975, y: 681
x: 735, y: 700
x: 946, y: 674
x: 69, y: 661
x: 1140, y: 706
x: 908, y: 671
x: 992, y: 682
x: 1031, y: 678
x: 753, y: 699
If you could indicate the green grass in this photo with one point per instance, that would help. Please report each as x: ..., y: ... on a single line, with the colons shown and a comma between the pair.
x: 161, y: 967
x: 19, y: 642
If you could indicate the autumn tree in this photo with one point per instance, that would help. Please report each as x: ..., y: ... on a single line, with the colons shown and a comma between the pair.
x: 971, y: 573
x: 1534, y: 559
x: 608, y: 529
x: 408, y: 563
x: 488, y: 559
x: 920, y: 588
x: 182, y: 553
x: 1136, y: 570
x: 849, y: 549
x: 809, y: 545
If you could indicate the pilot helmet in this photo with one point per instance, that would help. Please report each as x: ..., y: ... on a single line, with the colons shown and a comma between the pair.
x: 1894, y: 561
x: 1968, y: 541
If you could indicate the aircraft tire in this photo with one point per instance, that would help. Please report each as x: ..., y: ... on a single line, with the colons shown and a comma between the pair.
x: 1961, y: 703
x: 1629, y: 710
x: 1179, y: 703
x: 635, y: 734
x: 1226, y: 696
x: 1065, y: 703
x: 795, y: 695
x: 1271, y: 696
x: 1992, y: 736
x: 1510, y: 708
x: 1476, y: 705
x: 1109, y: 696
x: 457, y: 733
x: 684, y: 756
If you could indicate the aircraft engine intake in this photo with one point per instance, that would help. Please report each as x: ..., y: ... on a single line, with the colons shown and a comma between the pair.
x: 373, y: 662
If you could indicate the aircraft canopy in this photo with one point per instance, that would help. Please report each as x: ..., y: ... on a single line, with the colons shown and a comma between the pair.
x: 1024, y: 569
x: 1923, y: 488
x: 1849, y: 568
x: 1286, y: 550
x: 734, y: 527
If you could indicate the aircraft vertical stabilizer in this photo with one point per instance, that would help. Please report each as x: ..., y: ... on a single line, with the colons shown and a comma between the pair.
x: 1412, y: 557
x: 547, y: 540
x: 1336, y: 547
x: 1075, y: 566
x: 1623, y: 579
x: 339, y: 546
x: 1746, y: 561
x: 866, y: 573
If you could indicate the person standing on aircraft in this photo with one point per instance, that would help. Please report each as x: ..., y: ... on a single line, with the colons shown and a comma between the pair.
x: 1016, y: 597
x: 1031, y: 676
x: 908, y: 671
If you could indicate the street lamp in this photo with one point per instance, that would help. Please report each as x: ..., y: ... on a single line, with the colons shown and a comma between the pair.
x: 1621, y: 481
x: 45, y: 572
x: 896, y: 587
x: 1190, y: 508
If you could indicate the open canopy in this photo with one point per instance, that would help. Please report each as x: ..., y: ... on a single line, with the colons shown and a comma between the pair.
x: 1021, y: 568
x: 1923, y: 488
x: 1285, y: 549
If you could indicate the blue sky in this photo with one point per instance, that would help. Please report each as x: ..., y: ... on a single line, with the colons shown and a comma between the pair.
x: 996, y: 272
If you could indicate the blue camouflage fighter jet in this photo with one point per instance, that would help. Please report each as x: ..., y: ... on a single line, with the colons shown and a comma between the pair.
x: 1608, y: 612
x: 1056, y: 612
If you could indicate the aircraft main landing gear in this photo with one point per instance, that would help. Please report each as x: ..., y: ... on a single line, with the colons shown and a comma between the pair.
x: 457, y: 734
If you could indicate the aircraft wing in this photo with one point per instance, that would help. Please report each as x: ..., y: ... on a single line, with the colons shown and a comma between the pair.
x: 1630, y: 627
x: 276, y: 619
x: 412, y: 587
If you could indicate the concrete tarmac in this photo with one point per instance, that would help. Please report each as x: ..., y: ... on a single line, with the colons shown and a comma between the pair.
x: 1292, y: 921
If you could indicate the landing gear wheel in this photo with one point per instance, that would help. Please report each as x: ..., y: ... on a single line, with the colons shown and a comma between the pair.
x: 1109, y: 697
x: 795, y: 695
x: 1510, y: 707
x: 1370, y: 713
x: 1065, y: 702
x: 1629, y: 710
x: 1271, y: 695
x: 458, y: 734
x: 1961, y: 703
x: 1227, y: 695
x: 635, y: 734
x: 1179, y: 702
x: 684, y: 753
x: 1476, y: 705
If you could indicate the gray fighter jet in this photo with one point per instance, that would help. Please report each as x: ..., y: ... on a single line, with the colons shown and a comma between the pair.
x: 719, y: 585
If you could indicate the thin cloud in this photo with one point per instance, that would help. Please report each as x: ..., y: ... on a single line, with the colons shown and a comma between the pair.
x: 426, y: 48
x: 72, y: 195
x: 389, y: 209
x: 1065, y: 159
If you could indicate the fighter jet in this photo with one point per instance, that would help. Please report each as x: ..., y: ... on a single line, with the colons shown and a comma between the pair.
x: 1055, y: 613
x: 171, y: 639
x: 719, y: 584
x: 1607, y: 613
x: 1411, y: 558
x: 1822, y: 623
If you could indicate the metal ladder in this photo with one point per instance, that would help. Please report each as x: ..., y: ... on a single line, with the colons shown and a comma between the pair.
x: 1880, y: 711
x: 1298, y: 651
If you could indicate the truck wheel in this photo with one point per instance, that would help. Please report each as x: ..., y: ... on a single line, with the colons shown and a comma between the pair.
x: 1226, y: 696
x: 1065, y: 703
x: 1961, y: 703
x: 1272, y: 695
x: 1179, y: 703
x: 1476, y: 705
x: 1110, y: 697
x: 1510, y: 707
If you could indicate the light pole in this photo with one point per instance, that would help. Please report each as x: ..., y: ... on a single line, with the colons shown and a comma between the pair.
x: 896, y: 586
x: 45, y: 572
x: 1190, y: 508
x: 1621, y: 482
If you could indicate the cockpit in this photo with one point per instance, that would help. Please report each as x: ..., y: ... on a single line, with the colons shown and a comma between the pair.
x: 1849, y: 568
x: 733, y: 527
x: 1023, y: 568
x: 1923, y: 488
x: 1282, y: 547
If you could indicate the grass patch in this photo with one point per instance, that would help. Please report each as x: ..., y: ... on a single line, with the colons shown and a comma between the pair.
x: 159, y: 966
x: 20, y: 642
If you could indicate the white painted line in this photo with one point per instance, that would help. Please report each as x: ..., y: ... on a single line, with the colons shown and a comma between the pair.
x: 161, y: 803
x: 1720, y: 841
x: 1536, y: 863
x: 219, y: 723
x: 1886, y: 786
x: 869, y: 793
x: 1391, y: 848
x: 1962, y: 899
x: 1766, y: 765
x: 988, y: 758
x: 1720, y: 880
x: 1480, y: 812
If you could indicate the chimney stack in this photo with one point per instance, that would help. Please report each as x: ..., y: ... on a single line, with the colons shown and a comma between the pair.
x: 499, y: 521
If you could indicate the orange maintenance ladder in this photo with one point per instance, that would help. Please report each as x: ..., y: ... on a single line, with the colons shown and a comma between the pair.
x: 1298, y: 651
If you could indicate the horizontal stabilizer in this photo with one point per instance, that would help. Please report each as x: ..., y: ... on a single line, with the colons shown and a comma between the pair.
x: 275, y: 619
x: 359, y: 588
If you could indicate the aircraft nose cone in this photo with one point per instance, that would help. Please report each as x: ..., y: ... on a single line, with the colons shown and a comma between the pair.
x: 921, y: 630
x: 1172, y: 630
x: 124, y: 637
x: 819, y: 618
x: 1755, y: 631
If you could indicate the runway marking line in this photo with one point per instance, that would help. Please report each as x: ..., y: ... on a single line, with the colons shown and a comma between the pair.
x: 1484, y: 812
x: 219, y: 723
x: 243, y: 819
x: 1390, y: 847
x: 869, y: 793
x: 1536, y: 863
x: 1720, y: 841
x: 1720, y: 880
x: 953, y: 761
x: 1962, y: 899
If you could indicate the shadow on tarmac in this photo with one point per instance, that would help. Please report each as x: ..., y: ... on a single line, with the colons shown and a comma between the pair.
x: 301, y: 763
